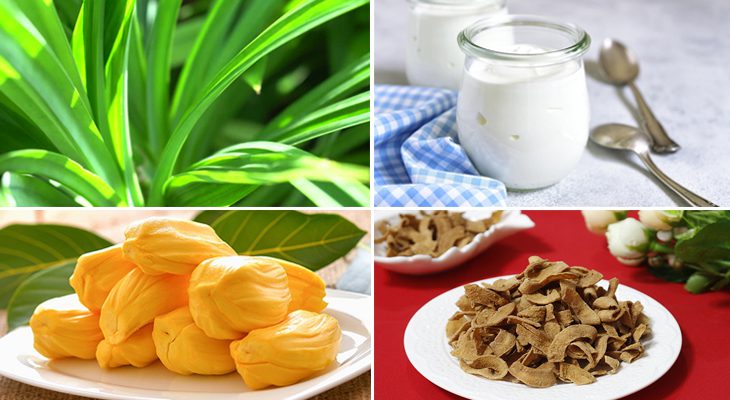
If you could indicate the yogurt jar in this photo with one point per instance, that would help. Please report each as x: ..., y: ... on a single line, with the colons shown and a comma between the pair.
x: 522, y: 112
x: 433, y: 57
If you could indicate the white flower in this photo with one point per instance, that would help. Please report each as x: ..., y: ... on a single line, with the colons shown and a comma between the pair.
x: 598, y: 220
x: 660, y: 220
x: 628, y: 241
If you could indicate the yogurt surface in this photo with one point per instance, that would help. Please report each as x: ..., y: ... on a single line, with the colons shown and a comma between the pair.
x: 525, y: 125
x: 433, y: 56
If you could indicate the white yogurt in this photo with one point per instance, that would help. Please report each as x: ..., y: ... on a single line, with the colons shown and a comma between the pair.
x: 525, y: 124
x: 433, y: 57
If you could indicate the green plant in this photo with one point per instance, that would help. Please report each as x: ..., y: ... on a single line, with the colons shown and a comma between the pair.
x: 678, y: 246
x: 39, y: 259
x: 184, y: 103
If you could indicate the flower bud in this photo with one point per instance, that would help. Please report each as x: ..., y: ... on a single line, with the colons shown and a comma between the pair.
x: 597, y: 221
x: 628, y: 241
x: 660, y: 220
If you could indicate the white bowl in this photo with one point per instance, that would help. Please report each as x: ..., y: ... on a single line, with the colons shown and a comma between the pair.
x: 512, y: 221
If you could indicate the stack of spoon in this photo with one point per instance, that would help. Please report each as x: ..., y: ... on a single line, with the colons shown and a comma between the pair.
x: 621, y: 68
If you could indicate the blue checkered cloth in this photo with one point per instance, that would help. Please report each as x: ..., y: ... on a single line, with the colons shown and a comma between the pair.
x: 418, y: 159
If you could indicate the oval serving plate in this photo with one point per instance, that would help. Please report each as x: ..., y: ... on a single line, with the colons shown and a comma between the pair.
x: 512, y: 221
x: 20, y: 362
x: 429, y: 352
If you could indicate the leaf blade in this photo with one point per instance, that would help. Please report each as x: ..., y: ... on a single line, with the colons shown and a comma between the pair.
x: 26, y: 249
x: 311, y: 240
x: 301, y: 19
x: 39, y: 287
x: 63, y: 170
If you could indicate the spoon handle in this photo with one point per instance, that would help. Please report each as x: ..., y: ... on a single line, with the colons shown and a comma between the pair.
x: 680, y: 190
x: 661, y: 143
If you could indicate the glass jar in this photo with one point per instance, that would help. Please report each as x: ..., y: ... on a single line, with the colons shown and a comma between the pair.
x: 433, y: 57
x: 522, y: 112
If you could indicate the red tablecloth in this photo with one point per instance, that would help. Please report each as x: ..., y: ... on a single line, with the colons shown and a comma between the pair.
x: 700, y: 372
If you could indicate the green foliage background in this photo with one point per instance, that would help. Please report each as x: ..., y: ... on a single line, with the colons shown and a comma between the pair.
x: 184, y: 103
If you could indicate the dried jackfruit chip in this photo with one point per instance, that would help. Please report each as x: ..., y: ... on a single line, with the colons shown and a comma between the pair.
x: 550, y: 323
x: 431, y: 233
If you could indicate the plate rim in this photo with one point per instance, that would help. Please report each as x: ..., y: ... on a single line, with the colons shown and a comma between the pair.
x: 359, y: 366
x: 661, y: 370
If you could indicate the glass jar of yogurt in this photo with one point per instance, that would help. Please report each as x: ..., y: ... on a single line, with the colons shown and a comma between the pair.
x: 433, y: 57
x: 522, y: 113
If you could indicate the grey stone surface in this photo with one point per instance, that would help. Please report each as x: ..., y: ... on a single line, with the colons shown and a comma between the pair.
x: 684, y: 50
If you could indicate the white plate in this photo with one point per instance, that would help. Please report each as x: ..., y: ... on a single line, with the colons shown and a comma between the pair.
x: 512, y: 221
x: 429, y: 352
x: 19, y: 361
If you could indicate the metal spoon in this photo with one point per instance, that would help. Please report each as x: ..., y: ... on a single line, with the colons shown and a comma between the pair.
x: 621, y: 68
x: 624, y: 137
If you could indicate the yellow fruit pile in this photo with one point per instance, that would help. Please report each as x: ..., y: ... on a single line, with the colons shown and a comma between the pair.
x: 176, y: 292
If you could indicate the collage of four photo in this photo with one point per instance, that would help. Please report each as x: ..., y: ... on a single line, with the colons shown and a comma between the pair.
x: 354, y: 199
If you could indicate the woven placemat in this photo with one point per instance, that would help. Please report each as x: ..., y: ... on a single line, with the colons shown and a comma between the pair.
x: 356, y: 389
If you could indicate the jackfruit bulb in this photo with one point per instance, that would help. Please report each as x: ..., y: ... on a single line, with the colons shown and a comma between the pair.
x: 165, y: 245
x: 63, y: 327
x: 185, y: 349
x: 230, y: 296
x: 307, y: 288
x: 137, y: 299
x: 96, y: 273
x: 137, y: 350
x: 288, y: 352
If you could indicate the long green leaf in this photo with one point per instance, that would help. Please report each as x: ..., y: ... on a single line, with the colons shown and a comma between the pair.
x: 184, y: 40
x: 45, y: 18
x: 256, y: 163
x: 311, y: 240
x: 88, y: 51
x: 158, y: 70
x: 334, y: 194
x: 39, y: 287
x: 343, y: 114
x: 301, y: 19
x: 195, y: 73
x: 35, y: 80
x: 26, y: 249
x: 353, y: 77
x: 63, y: 170
x: 17, y: 190
x: 117, y: 100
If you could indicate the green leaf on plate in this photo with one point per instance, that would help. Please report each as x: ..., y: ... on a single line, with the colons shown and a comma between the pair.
x: 39, y: 287
x: 27, y: 249
x: 310, y: 240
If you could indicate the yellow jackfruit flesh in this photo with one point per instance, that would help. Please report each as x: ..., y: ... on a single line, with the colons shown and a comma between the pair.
x: 63, y: 327
x: 164, y: 245
x: 295, y: 349
x: 138, y: 350
x: 137, y: 299
x: 230, y: 296
x: 96, y: 273
x: 185, y: 349
x: 307, y: 288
